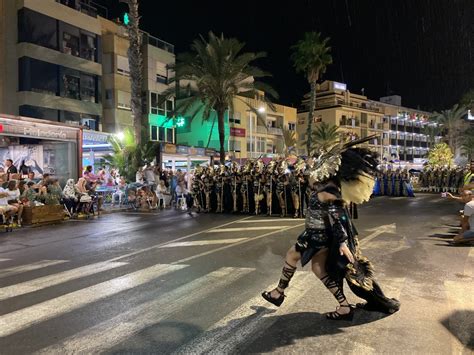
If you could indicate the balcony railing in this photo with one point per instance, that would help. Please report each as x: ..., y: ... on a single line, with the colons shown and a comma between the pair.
x: 158, y: 43
x: 270, y: 130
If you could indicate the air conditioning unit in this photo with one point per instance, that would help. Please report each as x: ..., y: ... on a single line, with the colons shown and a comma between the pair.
x: 89, y: 122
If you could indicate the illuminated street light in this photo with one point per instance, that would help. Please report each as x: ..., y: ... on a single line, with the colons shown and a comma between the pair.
x: 261, y: 109
x: 120, y: 136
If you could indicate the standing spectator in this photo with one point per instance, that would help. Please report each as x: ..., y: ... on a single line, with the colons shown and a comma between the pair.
x: 11, y: 169
x: 467, y: 221
x: 173, y: 184
x: 139, y: 178
x: 119, y: 192
x: 149, y: 176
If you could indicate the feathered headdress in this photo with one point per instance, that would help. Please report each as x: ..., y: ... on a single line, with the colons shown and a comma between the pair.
x: 353, y: 168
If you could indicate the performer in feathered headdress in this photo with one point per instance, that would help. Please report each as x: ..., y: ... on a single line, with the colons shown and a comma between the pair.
x: 341, y: 175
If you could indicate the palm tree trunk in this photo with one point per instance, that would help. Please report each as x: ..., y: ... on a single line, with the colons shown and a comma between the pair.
x: 309, y: 129
x: 135, y: 61
x: 210, y: 133
x: 221, y: 126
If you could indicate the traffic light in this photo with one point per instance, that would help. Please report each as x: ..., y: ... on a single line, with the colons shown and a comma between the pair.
x: 126, y: 19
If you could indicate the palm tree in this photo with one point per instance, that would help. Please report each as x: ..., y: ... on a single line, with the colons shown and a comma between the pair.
x: 324, y: 137
x: 432, y: 131
x: 135, y: 60
x: 453, y: 124
x: 289, y: 141
x: 468, y: 146
x: 311, y: 57
x: 213, y: 74
x: 127, y: 152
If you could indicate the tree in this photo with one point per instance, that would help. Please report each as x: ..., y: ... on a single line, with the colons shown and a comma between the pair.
x: 453, y: 124
x: 135, y: 60
x: 440, y: 156
x: 127, y: 152
x: 432, y: 131
x: 213, y: 74
x: 324, y: 137
x: 468, y: 146
x: 311, y: 57
x: 467, y: 100
x: 289, y: 141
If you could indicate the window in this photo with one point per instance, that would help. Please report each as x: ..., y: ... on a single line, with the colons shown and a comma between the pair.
x: 159, y: 105
x: 234, y: 145
x: 70, y: 81
x: 70, y: 44
x: 291, y: 126
x: 122, y: 66
x: 109, y: 94
x: 161, y: 73
x: 169, y: 107
x: 38, y: 76
x: 37, y: 28
x: 88, y: 92
x: 123, y: 100
x: 234, y: 120
x: 363, y: 117
x: 88, y: 47
x: 162, y: 134
x: 39, y: 112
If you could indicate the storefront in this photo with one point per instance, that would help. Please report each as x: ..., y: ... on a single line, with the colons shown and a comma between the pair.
x: 41, y: 146
x: 95, y: 148
x: 184, y: 157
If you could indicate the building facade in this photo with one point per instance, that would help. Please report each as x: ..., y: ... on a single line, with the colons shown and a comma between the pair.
x: 246, y: 135
x: 401, y: 133
x: 51, y: 61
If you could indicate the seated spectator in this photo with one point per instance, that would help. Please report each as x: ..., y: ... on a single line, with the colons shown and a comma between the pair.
x: 6, y: 210
x: 81, y: 186
x: 119, y: 192
x: 44, y: 180
x: 22, y: 186
x: 182, y: 192
x: 162, y: 194
x: 70, y: 198
x: 31, y: 176
x: 29, y: 196
x: 467, y: 220
x: 110, y: 182
x: 52, y: 193
x: 14, y: 200
x: 91, y: 188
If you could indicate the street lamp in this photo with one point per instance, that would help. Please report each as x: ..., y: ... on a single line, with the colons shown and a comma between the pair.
x: 120, y: 136
x: 261, y: 109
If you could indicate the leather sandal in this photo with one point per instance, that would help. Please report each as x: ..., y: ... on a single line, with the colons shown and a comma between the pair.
x: 276, y: 301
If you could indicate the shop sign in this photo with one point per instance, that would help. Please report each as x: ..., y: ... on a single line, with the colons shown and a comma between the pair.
x: 200, y: 151
x: 210, y: 152
x: 182, y: 149
x: 95, y: 137
x: 35, y: 130
x: 237, y: 132
x: 169, y: 148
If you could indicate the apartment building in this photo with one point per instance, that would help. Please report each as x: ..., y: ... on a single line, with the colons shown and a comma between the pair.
x: 246, y: 135
x: 400, y: 130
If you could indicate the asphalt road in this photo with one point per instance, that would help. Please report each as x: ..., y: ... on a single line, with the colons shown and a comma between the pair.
x: 173, y: 283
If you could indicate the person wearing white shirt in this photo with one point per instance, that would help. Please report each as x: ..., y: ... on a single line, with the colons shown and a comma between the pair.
x: 467, y: 222
x: 14, y: 199
x: 5, y: 209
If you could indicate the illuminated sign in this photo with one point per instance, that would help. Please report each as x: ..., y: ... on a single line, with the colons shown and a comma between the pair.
x: 340, y: 86
x: 237, y: 132
x: 180, y: 122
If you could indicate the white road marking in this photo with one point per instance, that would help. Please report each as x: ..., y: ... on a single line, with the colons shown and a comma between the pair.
x: 387, y: 228
x: 240, y: 325
x: 243, y: 229
x: 172, y: 241
x: 56, y: 279
x: 104, y: 336
x: 30, y: 267
x: 234, y: 244
x: 4, y: 259
x: 203, y: 242
x: 18, y: 320
x: 270, y: 220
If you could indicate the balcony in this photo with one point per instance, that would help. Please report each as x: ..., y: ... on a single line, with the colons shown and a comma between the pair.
x: 269, y: 130
x: 158, y: 43
x: 89, y: 8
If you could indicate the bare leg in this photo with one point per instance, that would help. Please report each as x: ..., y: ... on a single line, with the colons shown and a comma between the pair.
x: 335, y: 287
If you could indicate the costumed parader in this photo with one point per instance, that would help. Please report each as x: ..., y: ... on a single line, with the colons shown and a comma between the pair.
x: 235, y: 182
x: 340, y: 175
x: 281, y: 183
x: 268, y: 186
x: 258, y: 185
x: 219, y: 188
x: 244, y: 187
x: 197, y: 187
x: 297, y: 186
x: 208, y: 180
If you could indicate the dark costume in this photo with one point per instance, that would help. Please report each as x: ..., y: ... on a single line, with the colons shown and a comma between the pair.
x: 329, y: 225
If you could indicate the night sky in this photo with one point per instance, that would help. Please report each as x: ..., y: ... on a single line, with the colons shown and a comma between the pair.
x: 422, y: 50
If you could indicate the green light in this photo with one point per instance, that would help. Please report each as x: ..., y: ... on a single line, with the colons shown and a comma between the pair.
x: 126, y: 19
x: 180, y: 122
